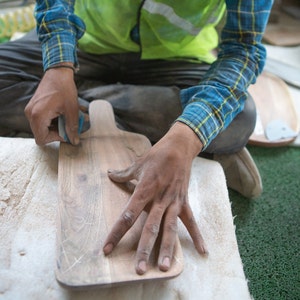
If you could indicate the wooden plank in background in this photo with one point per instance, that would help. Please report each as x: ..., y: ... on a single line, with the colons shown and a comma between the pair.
x: 273, y: 102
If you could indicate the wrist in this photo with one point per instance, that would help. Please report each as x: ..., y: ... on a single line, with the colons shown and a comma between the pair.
x: 59, y: 76
x: 184, y: 137
x: 63, y: 65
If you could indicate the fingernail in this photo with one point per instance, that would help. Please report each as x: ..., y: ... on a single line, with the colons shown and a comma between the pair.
x: 166, y: 262
x: 76, y: 140
x: 203, y: 250
x: 142, y: 267
x: 107, y: 249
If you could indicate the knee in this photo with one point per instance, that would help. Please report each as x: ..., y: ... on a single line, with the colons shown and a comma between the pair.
x: 248, y: 115
x: 237, y: 134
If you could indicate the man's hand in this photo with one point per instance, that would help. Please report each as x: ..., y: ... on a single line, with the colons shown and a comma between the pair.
x: 56, y: 95
x: 162, y: 177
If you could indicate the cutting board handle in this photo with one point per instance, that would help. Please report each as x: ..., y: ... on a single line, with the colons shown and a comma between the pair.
x: 104, y: 126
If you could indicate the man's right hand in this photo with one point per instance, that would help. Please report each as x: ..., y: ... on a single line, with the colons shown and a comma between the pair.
x: 56, y: 95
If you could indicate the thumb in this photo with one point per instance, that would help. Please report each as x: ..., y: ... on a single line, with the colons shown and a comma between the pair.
x: 72, y: 126
x: 121, y: 175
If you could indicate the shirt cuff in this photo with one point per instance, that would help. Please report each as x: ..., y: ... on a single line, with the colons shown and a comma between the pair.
x: 59, y: 48
x: 203, y: 114
x: 199, y: 118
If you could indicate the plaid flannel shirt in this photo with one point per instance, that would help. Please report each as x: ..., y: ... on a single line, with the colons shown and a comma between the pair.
x: 210, y: 106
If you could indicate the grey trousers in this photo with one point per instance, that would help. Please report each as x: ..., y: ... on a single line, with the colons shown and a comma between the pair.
x: 143, y: 93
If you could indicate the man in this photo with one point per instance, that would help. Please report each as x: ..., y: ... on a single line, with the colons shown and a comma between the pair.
x: 152, y: 60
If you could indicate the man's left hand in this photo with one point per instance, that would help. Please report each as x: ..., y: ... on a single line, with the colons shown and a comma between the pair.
x: 162, y: 177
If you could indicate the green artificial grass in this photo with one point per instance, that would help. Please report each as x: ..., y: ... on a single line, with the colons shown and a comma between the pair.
x: 268, y: 228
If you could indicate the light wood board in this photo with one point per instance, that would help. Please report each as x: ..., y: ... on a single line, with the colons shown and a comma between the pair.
x: 273, y: 102
x: 89, y: 205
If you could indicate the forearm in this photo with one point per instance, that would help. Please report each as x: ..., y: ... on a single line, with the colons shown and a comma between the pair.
x: 58, y: 29
x: 211, y: 106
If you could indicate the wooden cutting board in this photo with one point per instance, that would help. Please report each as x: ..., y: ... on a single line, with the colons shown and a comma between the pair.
x: 89, y: 204
x: 274, y: 103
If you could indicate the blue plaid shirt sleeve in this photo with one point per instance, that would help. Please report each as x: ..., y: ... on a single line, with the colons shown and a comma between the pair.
x: 58, y: 29
x: 208, y: 107
x: 211, y: 106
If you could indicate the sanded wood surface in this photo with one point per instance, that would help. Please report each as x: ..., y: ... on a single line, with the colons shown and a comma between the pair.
x: 273, y: 102
x: 89, y: 204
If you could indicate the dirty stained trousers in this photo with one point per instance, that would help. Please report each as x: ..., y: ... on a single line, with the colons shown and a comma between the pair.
x: 145, y: 94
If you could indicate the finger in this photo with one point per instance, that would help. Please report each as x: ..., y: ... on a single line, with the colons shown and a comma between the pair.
x: 124, y: 222
x: 71, y: 116
x: 148, y: 238
x: 52, y: 136
x: 187, y: 217
x: 128, y: 186
x: 40, y: 128
x: 122, y: 175
x: 169, y: 234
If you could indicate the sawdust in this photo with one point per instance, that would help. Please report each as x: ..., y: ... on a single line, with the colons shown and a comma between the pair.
x: 20, y: 173
x: 14, y: 178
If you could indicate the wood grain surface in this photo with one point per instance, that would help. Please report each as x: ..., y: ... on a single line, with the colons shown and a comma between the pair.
x: 273, y: 102
x: 89, y: 204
